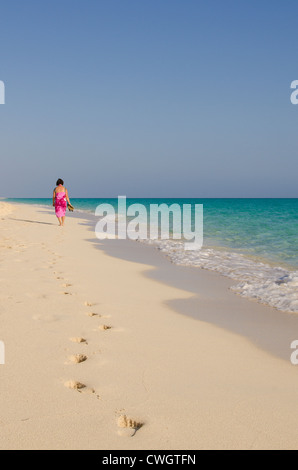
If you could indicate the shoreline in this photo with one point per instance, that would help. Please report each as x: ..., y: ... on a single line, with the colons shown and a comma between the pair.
x: 248, y: 325
x: 188, y: 378
x: 254, y: 277
x: 252, y: 318
x: 210, y: 245
x: 251, y: 324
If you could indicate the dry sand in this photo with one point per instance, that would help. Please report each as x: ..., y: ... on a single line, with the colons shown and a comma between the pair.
x: 98, y: 357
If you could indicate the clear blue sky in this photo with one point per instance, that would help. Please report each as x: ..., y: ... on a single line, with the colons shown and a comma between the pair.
x: 149, y: 98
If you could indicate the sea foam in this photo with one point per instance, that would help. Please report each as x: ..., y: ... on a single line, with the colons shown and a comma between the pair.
x: 271, y: 285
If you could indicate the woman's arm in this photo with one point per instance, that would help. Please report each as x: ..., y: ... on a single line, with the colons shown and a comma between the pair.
x: 54, y: 197
x: 67, y: 198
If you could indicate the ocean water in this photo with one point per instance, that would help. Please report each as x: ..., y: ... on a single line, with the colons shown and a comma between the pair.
x: 253, y: 241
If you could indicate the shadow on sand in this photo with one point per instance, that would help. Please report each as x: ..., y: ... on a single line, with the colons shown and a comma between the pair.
x: 31, y: 221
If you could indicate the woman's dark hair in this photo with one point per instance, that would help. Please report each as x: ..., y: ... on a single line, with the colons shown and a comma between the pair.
x: 60, y: 181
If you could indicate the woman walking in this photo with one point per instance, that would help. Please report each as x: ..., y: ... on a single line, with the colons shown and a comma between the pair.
x: 60, y: 200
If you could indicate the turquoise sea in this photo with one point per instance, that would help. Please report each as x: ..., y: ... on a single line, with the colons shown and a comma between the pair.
x: 254, y: 241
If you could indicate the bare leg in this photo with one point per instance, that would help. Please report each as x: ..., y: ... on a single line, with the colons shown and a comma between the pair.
x: 63, y: 220
x: 60, y: 221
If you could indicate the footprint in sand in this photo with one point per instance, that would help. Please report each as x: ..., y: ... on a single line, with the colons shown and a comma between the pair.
x: 78, y: 358
x: 66, y: 293
x: 73, y: 385
x: 79, y: 387
x: 78, y: 340
x: 97, y: 315
x: 91, y: 314
x: 89, y: 304
x: 128, y: 426
x: 104, y: 327
x: 66, y: 285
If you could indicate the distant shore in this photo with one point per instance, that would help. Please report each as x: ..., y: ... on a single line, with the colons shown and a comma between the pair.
x: 110, y: 346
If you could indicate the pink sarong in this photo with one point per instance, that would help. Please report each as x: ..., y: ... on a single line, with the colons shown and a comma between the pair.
x: 60, y: 204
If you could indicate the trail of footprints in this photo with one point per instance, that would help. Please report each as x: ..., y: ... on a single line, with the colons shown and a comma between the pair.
x: 126, y: 426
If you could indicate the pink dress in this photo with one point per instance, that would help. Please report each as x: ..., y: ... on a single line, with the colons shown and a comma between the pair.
x: 60, y: 204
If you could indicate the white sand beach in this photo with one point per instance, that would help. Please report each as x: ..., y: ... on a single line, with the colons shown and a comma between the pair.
x: 100, y: 356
